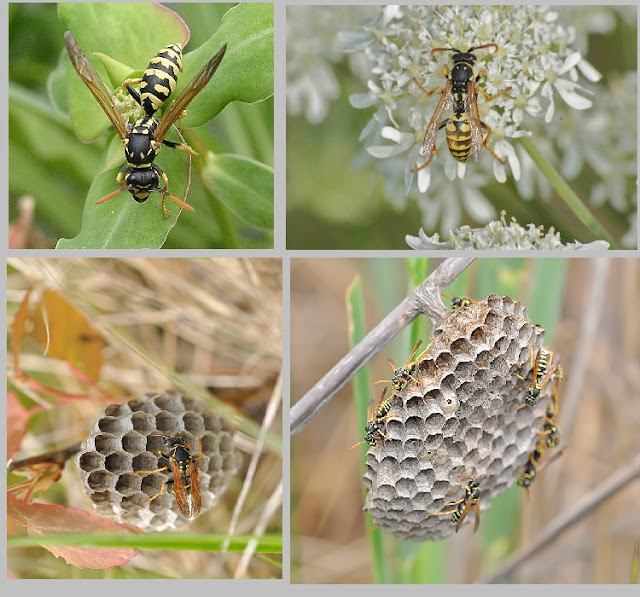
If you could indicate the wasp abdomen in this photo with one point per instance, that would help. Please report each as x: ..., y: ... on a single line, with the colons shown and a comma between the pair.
x: 160, y: 77
x: 459, y: 136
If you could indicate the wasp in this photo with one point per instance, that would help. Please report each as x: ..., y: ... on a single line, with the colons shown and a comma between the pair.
x: 402, y: 375
x: 143, y: 139
x: 373, y: 430
x: 544, y: 367
x: 460, y: 302
x: 530, y: 470
x: 466, y: 504
x: 186, y: 478
x: 464, y: 127
x: 550, y: 430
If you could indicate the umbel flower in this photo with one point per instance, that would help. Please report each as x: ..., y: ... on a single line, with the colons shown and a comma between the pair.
x: 500, y: 235
x: 534, y: 57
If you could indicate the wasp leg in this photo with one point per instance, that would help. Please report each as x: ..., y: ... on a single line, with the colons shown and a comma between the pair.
x: 163, y: 489
x: 491, y: 97
x: 163, y: 191
x: 486, y: 126
x: 180, y: 146
x: 438, y: 88
x: 132, y: 92
x: 157, y: 470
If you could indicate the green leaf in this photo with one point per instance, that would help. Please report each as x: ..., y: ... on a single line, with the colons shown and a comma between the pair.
x: 114, y: 30
x: 111, y: 37
x: 124, y: 223
x: 243, y: 185
x: 246, y: 72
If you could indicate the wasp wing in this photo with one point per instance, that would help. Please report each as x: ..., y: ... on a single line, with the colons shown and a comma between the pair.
x: 188, y: 93
x: 465, y: 510
x: 92, y: 80
x: 434, y: 124
x: 550, y: 371
x: 196, y: 496
x: 471, y: 106
x: 179, y: 490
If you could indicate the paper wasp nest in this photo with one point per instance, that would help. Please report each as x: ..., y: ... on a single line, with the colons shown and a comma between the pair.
x: 120, y: 444
x: 462, y: 419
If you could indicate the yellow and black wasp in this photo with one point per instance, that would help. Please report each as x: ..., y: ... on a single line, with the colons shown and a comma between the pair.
x: 143, y: 139
x: 464, y: 127
x: 373, y: 430
x: 186, y: 478
x: 531, y: 468
x: 466, y: 504
x: 550, y: 430
x: 460, y: 302
x: 402, y: 375
x: 546, y: 364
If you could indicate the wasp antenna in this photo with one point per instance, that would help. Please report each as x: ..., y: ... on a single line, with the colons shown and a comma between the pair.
x: 113, y: 194
x: 175, y: 199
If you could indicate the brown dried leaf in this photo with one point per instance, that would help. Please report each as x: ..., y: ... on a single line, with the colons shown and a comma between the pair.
x: 60, y: 329
x: 51, y: 519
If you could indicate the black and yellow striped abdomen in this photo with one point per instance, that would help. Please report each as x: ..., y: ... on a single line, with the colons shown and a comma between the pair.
x: 160, y: 77
x: 458, y: 132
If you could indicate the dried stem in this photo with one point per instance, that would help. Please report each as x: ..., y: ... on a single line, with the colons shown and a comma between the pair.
x: 590, y: 502
x: 426, y: 299
x: 56, y: 456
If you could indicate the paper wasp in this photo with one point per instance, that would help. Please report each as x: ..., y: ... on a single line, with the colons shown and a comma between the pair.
x: 464, y: 127
x: 528, y: 473
x: 186, y: 478
x: 143, y: 139
x: 546, y: 364
x: 466, y: 504
x: 402, y: 375
x: 550, y: 429
x: 459, y: 302
x: 373, y: 430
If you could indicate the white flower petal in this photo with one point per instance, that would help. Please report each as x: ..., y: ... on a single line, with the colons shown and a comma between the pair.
x: 571, y: 98
x: 362, y: 100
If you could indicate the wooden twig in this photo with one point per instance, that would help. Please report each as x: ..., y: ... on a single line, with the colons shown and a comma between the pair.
x: 566, y: 520
x: 426, y: 299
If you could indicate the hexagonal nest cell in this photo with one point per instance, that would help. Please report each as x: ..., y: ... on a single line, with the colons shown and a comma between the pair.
x: 459, y: 416
x: 125, y: 439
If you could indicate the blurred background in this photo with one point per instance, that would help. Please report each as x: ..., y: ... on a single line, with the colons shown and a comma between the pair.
x: 52, y: 169
x: 588, y: 309
x: 209, y: 328
x: 340, y: 197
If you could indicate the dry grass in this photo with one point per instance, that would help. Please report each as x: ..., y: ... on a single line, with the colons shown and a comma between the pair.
x: 208, y: 327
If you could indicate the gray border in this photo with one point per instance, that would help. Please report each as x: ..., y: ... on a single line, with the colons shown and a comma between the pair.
x: 277, y: 588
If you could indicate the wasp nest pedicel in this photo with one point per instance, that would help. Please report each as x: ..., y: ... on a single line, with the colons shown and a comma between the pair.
x: 462, y: 418
x: 125, y: 439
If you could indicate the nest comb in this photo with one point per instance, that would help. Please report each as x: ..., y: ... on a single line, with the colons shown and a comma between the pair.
x: 119, y: 444
x: 462, y: 418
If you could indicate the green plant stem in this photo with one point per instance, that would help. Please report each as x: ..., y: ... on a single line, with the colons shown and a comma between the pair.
x: 567, y: 194
x: 170, y: 541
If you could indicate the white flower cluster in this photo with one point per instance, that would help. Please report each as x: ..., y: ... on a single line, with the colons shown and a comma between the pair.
x: 534, y: 58
x: 500, y: 235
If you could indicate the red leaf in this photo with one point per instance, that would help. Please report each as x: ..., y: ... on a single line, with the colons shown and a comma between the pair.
x: 17, y: 422
x: 51, y: 519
